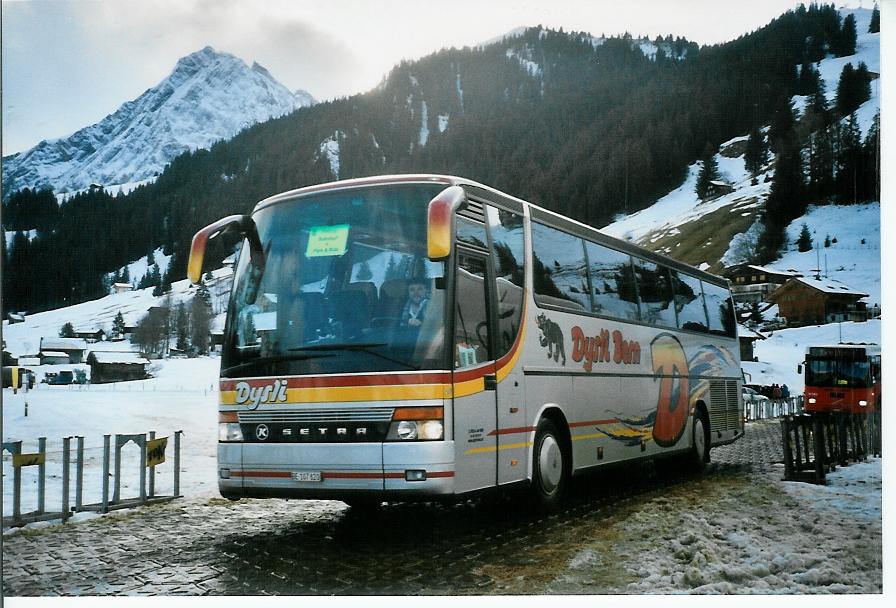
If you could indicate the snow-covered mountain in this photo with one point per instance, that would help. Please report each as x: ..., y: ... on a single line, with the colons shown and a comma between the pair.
x: 208, y: 97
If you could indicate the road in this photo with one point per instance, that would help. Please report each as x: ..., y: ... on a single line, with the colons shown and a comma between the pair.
x: 696, y: 529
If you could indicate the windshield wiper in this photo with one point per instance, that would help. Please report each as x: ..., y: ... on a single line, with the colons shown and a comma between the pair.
x: 274, y: 359
x: 364, y: 347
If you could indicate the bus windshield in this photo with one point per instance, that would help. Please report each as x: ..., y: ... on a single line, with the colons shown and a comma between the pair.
x: 346, y: 287
x: 841, y: 369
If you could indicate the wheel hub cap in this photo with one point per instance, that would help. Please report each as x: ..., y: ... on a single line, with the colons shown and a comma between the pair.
x: 550, y: 464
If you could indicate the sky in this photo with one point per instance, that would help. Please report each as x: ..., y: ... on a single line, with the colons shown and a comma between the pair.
x: 67, y: 64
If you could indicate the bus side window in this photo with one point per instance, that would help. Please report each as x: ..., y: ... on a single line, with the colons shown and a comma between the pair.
x: 689, y: 302
x: 560, y: 276
x: 471, y: 339
x: 613, y: 284
x: 508, y: 255
x: 720, y: 310
x: 655, y: 291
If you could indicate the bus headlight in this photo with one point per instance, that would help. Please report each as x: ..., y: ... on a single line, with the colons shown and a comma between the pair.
x: 229, y: 431
x: 406, y: 430
x: 811, y: 399
x: 417, y: 423
x: 423, y: 430
x: 863, y: 403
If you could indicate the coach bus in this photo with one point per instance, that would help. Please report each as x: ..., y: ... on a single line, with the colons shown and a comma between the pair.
x: 420, y: 337
x: 842, y: 377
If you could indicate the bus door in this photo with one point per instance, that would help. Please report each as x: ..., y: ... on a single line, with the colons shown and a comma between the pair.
x: 475, y: 395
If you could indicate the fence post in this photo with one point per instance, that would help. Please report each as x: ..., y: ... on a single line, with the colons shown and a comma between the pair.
x: 788, y: 452
x: 66, y: 444
x: 177, y: 435
x: 79, y: 475
x: 143, y: 471
x: 818, y: 444
x: 106, y: 473
x: 116, y: 493
x: 15, y: 447
x: 41, y: 476
x: 152, y: 470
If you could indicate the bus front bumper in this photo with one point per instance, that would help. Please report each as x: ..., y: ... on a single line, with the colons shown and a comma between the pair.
x: 396, y: 471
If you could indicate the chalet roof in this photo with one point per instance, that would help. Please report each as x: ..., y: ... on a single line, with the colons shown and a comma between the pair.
x: 717, y: 182
x: 53, y: 353
x: 62, y: 344
x: 765, y: 269
x: 117, y: 357
x: 745, y: 332
x: 89, y: 329
x: 122, y: 285
x: 828, y: 286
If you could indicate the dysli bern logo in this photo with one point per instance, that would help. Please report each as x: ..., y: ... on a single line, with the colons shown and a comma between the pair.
x: 252, y: 396
x: 262, y: 432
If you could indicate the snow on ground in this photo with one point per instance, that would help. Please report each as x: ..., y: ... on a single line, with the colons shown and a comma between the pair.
x: 182, y: 396
x: 747, y: 534
x: 781, y: 352
x: 849, y: 261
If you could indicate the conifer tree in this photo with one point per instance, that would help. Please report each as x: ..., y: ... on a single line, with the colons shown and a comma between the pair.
x: 782, y: 122
x: 708, y: 172
x: 874, y: 26
x: 118, y: 326
x: 846, y: 43
x: 804, y: 242
x: 755, y: 154
x: 67, y: 330
x: 849, y: 151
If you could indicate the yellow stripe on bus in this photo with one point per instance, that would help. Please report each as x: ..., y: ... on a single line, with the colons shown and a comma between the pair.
x: 508, y: 446
x: 355, y: 393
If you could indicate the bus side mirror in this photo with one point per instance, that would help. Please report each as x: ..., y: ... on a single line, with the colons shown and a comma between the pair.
x: 242, y: 223
x: 440, y: 221
x: 799, y: 369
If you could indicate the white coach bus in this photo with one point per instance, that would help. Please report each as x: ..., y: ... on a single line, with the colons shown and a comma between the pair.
x: 421, y: 337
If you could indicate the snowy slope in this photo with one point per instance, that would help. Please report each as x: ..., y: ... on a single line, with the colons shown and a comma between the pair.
x: 24, y: 338
x: 208, y: 97
x: 850, y: 261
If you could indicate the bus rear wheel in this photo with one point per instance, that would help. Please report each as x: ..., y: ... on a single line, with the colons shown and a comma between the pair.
x: 699, y: 454
x: 549, y: 467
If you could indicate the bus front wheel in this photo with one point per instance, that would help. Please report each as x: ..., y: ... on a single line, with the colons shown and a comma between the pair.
x: 549, y: 469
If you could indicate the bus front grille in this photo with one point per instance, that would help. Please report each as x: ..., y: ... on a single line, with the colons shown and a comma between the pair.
x: 321, y: 425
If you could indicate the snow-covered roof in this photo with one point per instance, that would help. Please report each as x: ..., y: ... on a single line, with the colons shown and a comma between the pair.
x: 767, y: 270
x: 62, y: 344
x: 830, y: 286
x: 53, y: 353
x: 118, y: 357
x: 745, y: 332
x: 88, y: 329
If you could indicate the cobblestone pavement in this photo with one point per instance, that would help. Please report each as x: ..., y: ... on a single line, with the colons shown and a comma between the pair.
x: 255, y: 547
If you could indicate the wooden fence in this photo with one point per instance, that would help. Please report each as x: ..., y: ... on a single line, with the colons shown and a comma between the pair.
x: 814, y: 444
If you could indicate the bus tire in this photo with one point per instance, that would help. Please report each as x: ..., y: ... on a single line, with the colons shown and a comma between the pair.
x: 699, y: 454
x: 549, y: 467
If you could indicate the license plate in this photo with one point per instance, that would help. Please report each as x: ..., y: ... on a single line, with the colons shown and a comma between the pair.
x: 307, y: 476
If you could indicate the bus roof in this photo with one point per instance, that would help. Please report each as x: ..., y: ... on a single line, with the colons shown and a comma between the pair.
x: 559, y: 221
x: 870, y: 348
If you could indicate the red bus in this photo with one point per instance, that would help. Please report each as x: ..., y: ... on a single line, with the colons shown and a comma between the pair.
x: 843, y: 378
